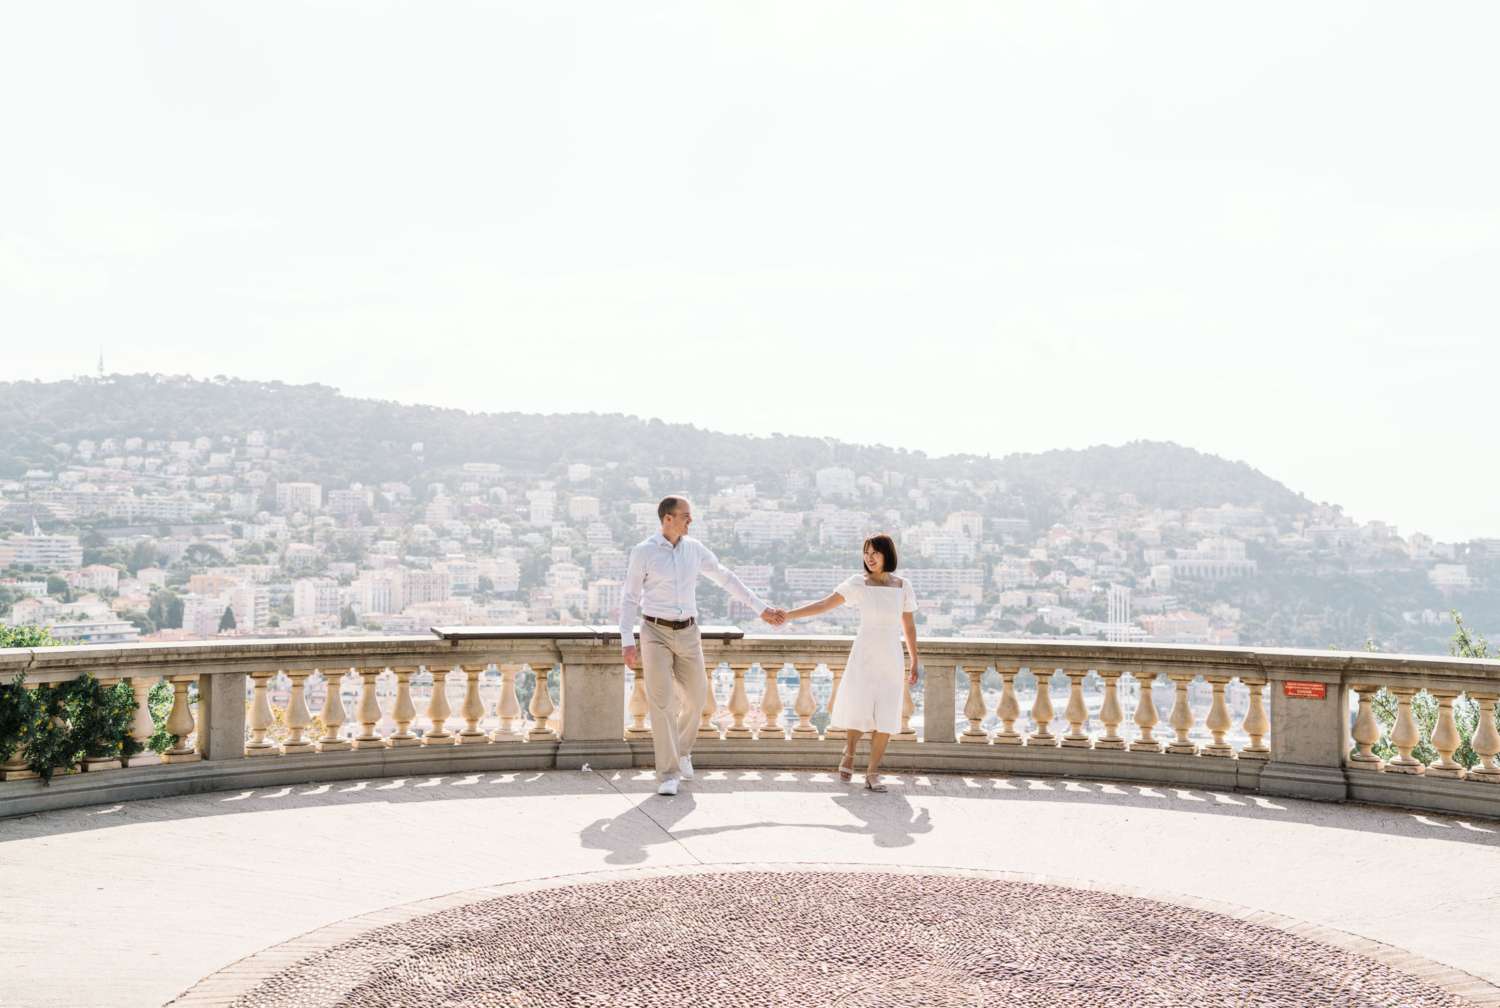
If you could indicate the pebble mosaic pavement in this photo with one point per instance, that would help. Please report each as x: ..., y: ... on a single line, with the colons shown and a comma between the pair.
x: 762, y: 938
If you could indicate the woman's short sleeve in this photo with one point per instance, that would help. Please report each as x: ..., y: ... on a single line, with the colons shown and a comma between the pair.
x: 851, y: 588
x: 909, y: 603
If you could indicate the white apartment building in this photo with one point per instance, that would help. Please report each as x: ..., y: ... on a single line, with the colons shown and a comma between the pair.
x: 762, y: 528
x: 583, y: 508
x: 609, y: 564
x: 836, y: 482
x: 463, y: 575
x: 598, y: 535
x: 948, y: 549
x: 418, y: 586
x: 315, y: 597
x: 843, y: 528
x: 350, y: 501
x: 643, y: 514
x: 201, y: 614
x: 251, y: 604
x: 377, y: 595
x: 564, y: 575
x: 543, y: 504
x: 969, y: 524
x: 580, y: 471
x: 504, y: 573
x: 604, y: 598
x: 299, y: 496
x: 42, y: 552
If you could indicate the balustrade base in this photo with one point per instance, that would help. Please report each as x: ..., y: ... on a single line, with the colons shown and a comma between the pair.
x: 264, y: 749
x: 596, y: 755
x: 1182, y: 748
x: 372, y: 742
x: 541, y: 736
x: 1218, y: 751
x: 292, y: 748
x: 1416, y: 769
x: 1153, y: 745
x: 506, y: 736
x: 472, y: 738
x: 140, y: 759
x: 1012, y: 739
x: 1248, y: 752
x: 187, y: 757
x: 342, y: 745
x: 1041, y: 740
x: 87, y: 765
x: 1457, y: 772
x: 8, y: 775
x: 1116, y: 744
x: 1484, y: 776
x: 1297, y: 780
x: 1082, y: 742
x: 980, y: 737
x: 398, y: 742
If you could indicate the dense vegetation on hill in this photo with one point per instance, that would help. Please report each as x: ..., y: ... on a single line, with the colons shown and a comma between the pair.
x: 371, y: 440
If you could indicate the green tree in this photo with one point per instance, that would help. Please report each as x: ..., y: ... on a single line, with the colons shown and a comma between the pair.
x: 165, y: 609
x: 58, y: 588
x: 226, y: 621
x: 347, y: 617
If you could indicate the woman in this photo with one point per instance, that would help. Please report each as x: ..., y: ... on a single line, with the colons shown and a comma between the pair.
x: 871, y: 692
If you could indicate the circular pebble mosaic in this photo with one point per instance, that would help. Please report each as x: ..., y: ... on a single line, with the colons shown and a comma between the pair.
x: 765, y: 938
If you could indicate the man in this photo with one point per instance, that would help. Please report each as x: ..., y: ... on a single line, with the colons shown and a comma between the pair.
x: 662, y: 582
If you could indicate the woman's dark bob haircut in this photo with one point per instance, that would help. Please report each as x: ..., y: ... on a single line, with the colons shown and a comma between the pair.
x: 882, y: 544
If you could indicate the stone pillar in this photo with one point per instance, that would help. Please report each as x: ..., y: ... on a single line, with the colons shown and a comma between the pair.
x: 260, y: 718
x: 974, y: 708
x: 1486, y: 741
x: 143, y: 727
x: 1445, y: 737
x: 542, y: 707
x: 404, y: 712
x: 1218, y: 719
x: 508, y: 707
x: 908, y: 711
x: 1181, y: 719
x: 639, y: 706
x: 837, y: 671
x: 1404, y: 734
x: 771, y: 705
x: 1077, y: 712
x: 804, y: 706
x: 1256, y: 722
x: 334, y: 714
x: 1311, y: 736
x: 939, y: 695
x: 298, y: 717
x: 180, y: 719
x: 368, y: 713
x: 221, y: 714
x: 1041, y: 710
x: 739, y: 705
x: 1146, y: 718
x: 1009, y: 708
x: 1366, y: 731
x: 706, y: 727
x: 1110, y: 713
x: 439, y: 710
x: 472, y: 709
x: 593, y: 694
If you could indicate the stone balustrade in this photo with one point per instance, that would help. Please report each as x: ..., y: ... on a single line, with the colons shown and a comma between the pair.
x: 1291, y: 732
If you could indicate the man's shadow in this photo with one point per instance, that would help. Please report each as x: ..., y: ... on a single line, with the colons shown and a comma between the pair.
x: 888, y: 818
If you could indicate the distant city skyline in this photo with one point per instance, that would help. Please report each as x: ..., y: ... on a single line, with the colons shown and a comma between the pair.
x: 1264, y: 233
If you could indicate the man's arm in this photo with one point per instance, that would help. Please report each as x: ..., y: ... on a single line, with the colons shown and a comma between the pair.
x: 710, y: 567
x: 630, y: 600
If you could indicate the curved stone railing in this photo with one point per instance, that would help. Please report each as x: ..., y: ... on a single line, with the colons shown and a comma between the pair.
x: 1291, y: 716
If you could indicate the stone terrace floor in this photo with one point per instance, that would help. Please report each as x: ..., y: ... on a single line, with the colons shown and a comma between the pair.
x: 133, y: 904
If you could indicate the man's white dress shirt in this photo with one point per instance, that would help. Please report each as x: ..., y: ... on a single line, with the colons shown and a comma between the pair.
x: 662, y: 581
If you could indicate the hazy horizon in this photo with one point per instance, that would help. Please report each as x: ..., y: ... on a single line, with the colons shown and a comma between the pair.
x: 1263, y: 233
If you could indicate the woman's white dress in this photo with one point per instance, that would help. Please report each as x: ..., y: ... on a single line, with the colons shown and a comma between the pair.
x: 870, y: 693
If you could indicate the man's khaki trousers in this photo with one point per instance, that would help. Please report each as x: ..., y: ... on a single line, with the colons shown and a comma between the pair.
x: 676, y: 688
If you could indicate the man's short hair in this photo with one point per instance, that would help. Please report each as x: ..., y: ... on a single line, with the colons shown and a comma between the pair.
x: 669, y: 505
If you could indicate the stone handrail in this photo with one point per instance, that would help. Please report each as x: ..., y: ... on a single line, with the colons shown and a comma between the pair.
x: 1297, y: 717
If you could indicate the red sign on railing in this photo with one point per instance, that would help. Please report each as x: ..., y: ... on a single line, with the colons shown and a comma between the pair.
x: 1305, y: 690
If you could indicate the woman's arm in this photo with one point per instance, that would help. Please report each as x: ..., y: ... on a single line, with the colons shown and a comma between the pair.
x: 831, y: 602
x: 909, y: 627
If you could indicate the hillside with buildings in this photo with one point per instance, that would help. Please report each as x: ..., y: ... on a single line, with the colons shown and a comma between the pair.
x: 172, y: 508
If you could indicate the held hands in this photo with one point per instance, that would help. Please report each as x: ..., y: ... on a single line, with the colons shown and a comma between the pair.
x: 773, y: 616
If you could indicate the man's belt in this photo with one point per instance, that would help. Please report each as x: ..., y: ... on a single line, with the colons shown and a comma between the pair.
x: 671, y: 624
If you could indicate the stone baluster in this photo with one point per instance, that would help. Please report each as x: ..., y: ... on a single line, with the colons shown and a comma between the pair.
x: 15, y: 767
x: 1218, y: 719
x: 1146, y: 718
x: 1111, y: 715
x: 180, y: 722
x: 1445, y: 738
x: 1404, y: 735
x: 1256, y: 722
x: 507, y: 707
x: 1077, y: 712
x: 1486, y: 741
x: 298, y: 717
x: 804, y: 706
x: 739, y: 705
x: 334, y: 714
x: 1366, y: 731
x: 260, y: 719
x: 974, y: 708
x: 542, y: 708
x: 472, y: 708
x: 93, y: 763
x: 1041, y: 710
x: 368, y: 713
x: 771, y: 705
x: 706, y: 727
x: 1181, y: 719
x: 404, y: 712
x: 143, y: 727
x: 1009, y: 708
x: 837, y: 671
x: 638, y: 706
x: 908, y: 711
x: 439, y: 710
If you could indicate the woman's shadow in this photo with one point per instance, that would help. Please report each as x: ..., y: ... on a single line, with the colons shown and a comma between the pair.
x: 889, y: 819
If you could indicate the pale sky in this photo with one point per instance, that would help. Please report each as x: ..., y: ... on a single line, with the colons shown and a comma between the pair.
x: 1261, y: 230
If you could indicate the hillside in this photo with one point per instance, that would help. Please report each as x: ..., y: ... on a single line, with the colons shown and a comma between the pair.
x: 370, y: 440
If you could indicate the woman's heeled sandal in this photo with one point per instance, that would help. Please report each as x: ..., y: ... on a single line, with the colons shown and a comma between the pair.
x: 846, y: 775
x: 874, y: 783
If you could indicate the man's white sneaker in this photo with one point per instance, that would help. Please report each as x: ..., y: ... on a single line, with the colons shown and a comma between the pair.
x: 685, y: 767
x: 667, y: 787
